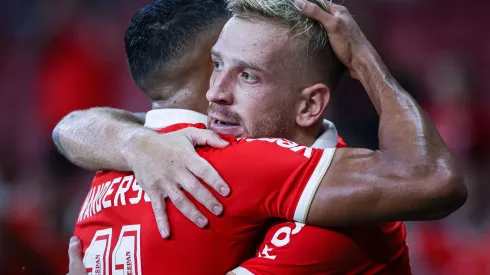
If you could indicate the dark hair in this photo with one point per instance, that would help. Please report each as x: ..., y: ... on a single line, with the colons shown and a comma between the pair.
x: 163, y: 31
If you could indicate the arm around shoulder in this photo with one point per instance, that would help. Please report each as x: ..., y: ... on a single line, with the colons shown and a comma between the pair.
x: 362, y: 185
x: 94, y: 138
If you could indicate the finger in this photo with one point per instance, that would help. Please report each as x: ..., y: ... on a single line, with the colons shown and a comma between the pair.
x: 76, y: 266
x: 200, y: 192
x: 184, y: 205
x: 160, y: 211
x: 315, y: 12
x: 203, y: 170
x: 335, y: 9
x: 206, y: 137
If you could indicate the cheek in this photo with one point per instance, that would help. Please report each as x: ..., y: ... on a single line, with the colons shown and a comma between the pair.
x: 252, y: 105
x: 212, y: 78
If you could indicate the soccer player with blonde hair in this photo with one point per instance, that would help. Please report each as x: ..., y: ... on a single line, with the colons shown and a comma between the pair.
x: 274, y: 69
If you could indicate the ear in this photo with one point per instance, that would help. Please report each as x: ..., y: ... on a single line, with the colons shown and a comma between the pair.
x: 314, y: 100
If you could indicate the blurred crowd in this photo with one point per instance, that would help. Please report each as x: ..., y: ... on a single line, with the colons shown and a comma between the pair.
x: 58, y: 56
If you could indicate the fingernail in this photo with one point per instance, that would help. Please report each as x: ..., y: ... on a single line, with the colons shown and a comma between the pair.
x: 201, y: 222
x: 224, y: 142
x: 217, y: 209
x: 73, y: 239
x: 225, y: 191
x: 164, y: 233
x: 300, y: 3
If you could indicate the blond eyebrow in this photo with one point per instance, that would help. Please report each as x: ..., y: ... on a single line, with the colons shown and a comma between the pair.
x: 239, y: 62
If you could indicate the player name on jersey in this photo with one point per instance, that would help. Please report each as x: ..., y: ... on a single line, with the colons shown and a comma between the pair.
x: 126, y: 190
x: 106, y: 195
x: 293, y: 146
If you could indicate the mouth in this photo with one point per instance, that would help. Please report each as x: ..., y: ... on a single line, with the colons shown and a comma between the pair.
x: 226, y: 127
x: 223, y: 123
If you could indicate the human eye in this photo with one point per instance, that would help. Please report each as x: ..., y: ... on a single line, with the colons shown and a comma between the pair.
x: 248, y: 77
x: 218, y: 66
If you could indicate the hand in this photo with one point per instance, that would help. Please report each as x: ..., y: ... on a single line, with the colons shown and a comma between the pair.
x: 76, y: 266
x: 163, y: 163
x: 345, y: 36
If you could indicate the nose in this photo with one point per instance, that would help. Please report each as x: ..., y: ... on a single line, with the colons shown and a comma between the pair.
x: 220, y: 91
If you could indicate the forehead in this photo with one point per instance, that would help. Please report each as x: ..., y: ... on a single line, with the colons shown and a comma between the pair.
x: 262, y: 42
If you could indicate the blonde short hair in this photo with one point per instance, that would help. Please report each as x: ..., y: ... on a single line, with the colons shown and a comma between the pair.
x: 286, y: 13
x: 311, y: 33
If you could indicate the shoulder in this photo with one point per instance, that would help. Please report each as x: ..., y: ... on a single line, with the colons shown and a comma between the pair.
x: 276, y: 145
x: 264, y: 154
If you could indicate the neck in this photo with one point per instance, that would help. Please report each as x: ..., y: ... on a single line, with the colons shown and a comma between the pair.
x: 308, y: 136
x: 191, y: 97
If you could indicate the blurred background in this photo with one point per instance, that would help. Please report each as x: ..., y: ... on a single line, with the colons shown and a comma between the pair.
x: 62, y: 55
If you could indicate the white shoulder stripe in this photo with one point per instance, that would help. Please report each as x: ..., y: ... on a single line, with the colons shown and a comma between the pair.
x: 241, y: 271
x: 304, y: 203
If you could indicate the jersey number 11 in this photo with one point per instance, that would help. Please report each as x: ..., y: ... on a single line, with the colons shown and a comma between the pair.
x: 125, y: 257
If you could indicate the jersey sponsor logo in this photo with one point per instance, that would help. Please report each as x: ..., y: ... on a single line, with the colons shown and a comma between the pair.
x: 284, y: 143
x: 112, y: 194
x: 281, y: 238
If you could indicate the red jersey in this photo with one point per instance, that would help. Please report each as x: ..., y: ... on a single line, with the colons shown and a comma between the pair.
x: 291, y: 248
x: 268, y: 177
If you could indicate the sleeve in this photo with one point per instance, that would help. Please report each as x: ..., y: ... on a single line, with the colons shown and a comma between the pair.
x: 271, y: 177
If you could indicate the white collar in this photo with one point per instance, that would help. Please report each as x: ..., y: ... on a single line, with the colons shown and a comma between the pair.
x: 161, y: 118
x: 329, y: 138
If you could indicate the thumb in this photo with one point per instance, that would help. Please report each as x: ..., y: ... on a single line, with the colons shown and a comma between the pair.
x: 203, y: 137
x: 76, y: 266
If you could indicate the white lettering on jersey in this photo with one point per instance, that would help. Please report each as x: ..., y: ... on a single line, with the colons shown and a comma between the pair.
x: 147, y: 199
x: 284, y: 143
x: 98, y: 196
x: 106, y: 203
x: 123, y: 188
x: 307, y: 152
x: 136, y: 187
x: 281, y: 238
x: 265, y: 253
x: 84, y: 206
x: 93, y: 202
x: 89, y: 204
x: 98, y: 203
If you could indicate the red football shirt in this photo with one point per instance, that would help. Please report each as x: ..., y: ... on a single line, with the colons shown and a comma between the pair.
x: 292, y: 248
x: 268, y: 177
x: 296, y: 249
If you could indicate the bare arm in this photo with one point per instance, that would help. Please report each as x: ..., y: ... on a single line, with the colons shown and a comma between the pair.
x: 97, y: 138
x: 413, y: 176
x: 113, y: 139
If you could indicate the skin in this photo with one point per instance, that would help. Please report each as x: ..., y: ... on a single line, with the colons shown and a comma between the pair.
x: 257, y: 86
x: 361, y: 185
x: 411, y: 148
x: 122, y: 135
x: 255, y: 59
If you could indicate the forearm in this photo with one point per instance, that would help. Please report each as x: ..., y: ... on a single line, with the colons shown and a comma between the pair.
x: 412, y: 177
x: 96, y: 138
x: 406, y: 134
x: 412, y: 149
x: 366, y: 197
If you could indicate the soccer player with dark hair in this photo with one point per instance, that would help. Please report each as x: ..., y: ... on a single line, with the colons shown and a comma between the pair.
x: 256, y: 89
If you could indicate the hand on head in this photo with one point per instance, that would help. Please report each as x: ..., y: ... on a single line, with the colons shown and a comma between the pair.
x: 346, y: 38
